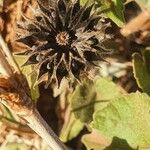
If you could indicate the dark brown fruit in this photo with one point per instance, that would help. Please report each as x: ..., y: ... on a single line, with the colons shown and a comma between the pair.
x: 64, y: 40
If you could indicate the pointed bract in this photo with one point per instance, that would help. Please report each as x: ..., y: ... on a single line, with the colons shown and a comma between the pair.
x: 63, y: 40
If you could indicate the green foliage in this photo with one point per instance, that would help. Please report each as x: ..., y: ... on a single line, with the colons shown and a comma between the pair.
x: 92, y: 96
x: 106, y: 89
x: 82, y: 101
x: 15, y: 146
x: 30, y: 76
x: 113, y: 9
x: 95, y: 141
x: 119, y: 144
x: 115, y: 121
x: 8, y: 117
x: 141, y: 71
x: 6, y: 113
x: 71, y: 128
x: 83, y: 2
x: 146, y: 54
x: 126, y: 117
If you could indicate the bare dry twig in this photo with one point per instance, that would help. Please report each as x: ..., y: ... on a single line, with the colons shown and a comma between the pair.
x: 15, y: 94
x: 8, y: 54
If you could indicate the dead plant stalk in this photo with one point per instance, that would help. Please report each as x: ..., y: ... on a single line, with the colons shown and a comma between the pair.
x: 15, y: 94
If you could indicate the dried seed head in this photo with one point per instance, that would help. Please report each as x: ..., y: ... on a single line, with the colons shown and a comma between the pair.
x: 64, y: 41
x: 62, y: 38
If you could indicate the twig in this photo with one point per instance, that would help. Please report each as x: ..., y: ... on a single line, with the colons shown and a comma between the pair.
x: 49, y: 136
x: 15, y: 95
x: 8, y: 54
x: 4, y: 66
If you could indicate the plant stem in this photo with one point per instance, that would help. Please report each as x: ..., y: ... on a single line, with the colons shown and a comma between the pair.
x: 8, y: 54
x: 17, y: 98
x: 5, y: 68
x: 38, y: 124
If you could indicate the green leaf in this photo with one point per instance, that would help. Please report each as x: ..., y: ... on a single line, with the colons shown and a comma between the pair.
x: 31, y: 77
x: 106, y: 89
x: 141, y: 72
x: 6, y: 112
x: 71, y: 128
x: 119, y: 144
x: 82, y: 101
x: 146, y: 54
x: 127, y: 118
x: 9, y: 117
x: 95, y: 141
x: 113, y: 10
x: 92, y: 96
x: 15, y: 146
x: 83, y: 2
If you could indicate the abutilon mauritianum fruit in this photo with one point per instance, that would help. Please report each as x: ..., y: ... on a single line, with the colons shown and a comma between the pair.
x: 63, y: 40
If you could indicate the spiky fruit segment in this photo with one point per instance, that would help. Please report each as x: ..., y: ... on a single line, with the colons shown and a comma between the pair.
x: 63, y: 40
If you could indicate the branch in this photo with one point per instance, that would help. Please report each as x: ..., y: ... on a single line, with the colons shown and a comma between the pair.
x: 15, y: 94
x: 4, y: 66
x: 8, y: 54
